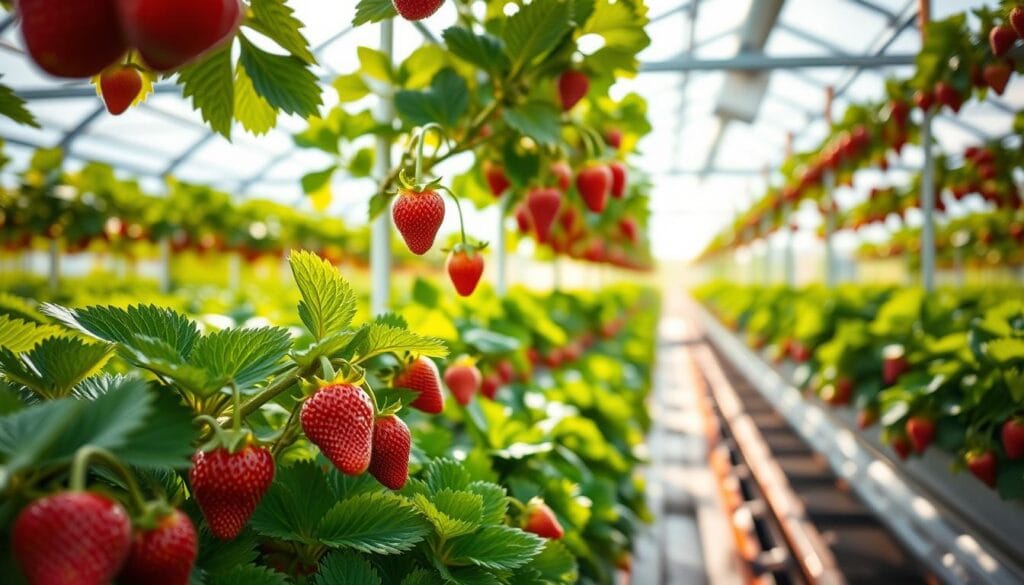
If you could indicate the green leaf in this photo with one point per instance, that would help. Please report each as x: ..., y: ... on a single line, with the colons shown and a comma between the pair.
x: 295, y: 504
x: 444, y: 102
x: 538, y: 120
x: 218, y: 556
x: 621, y: 25
x: 555, y: 563
x: 421, y: 577
x: 419, y: 68
x: 521, y: 166
x: 252, y: 111
x: 496, y: 547
x: 453, y: 513
x: 346, y: 568
x: 482, y: 50
x: 375, y: 64
x: 27, y: 434
x: 315, y: 181
x: 14, y: 108
x: 210, y: 84
x: 350, y: 87
x: 378, y: 523
x: 494, y: 499
x: 373, y: 11
x: 284, y: 81
x: 1006, y: 351
x: 487, y: 341
x: 361, y: 164
x: 20, y: 336
x: 108, y: 421
x: 446, y: 474
x: 54, y: 366
x: 165, y: 440
x: 274, y: 18
x: 535, y: 30
x: 124, y: 326
x: 380, y: 339
x: 328, y: 302
x: 244, y: 357
x: 248, y: 575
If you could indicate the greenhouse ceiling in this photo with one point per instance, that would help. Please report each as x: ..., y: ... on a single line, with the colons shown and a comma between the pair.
x: 727, y: 81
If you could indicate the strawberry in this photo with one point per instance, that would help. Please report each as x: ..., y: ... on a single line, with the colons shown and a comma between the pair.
x: 338, y: 418
x: 421, y: 376
x: 71, y: 39
x: 619, y: 174
x: 924, y: 99
x: 543, y: 203
x: 540, y: 520
x: 866, y: 417
x: 1017, y: 20
x: 1013, y: 438
x: 416, y: 9
x: 523, y: 221
x: 901, y: 446
x: 71, y: 538
x: 391, y: 446
x: 983, y: 465
x: 894, y: 364
x: 463, y: 379
x: 572, y: 87
x: 172, y: 33
x: 228, y: 486
x: 120, y: 86
x: 996, y: 76
x: 799, y: 352
x: 162, y: 555
x: 418, y: 216
x: 1001, y: 38
x: 465, y: 266
x: 842, y: 391
x: 613, y: 137
x: 563, y: 174
x: 948, y: 96
x: 594, y: 182
x: 628, y: 227
x: 505, y: 371
x: 921, y: 432
x: 490, y: 384
x: 496, y: 179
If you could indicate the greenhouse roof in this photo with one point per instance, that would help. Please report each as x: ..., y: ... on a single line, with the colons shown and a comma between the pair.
x: 726, y: 81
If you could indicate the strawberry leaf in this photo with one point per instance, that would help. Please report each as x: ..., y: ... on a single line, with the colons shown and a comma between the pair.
x: 421, y: 577
x: 286, y: 82
x: 346, y: 568
x: 482, y: 50
x: 19, y: 336
x: 376, y: 339
x: 453, y: 513
x: 210, y: 84
x: 296, y: 502
x: 124, y: 326
x: 379, y: 523
x: 538, y: 120
x: 555, y: 563
x: 373, y: 11
x: 251, y: 110
x: 446, y: 474
x: 494, y: 499
x: 244, y: 357
x: 496, y: 547
x: 444, y: 102
x: 313, y: 182
x: 375, y: 64
x: 350, y: 87
x: 13, y: 107
x: 247, y: 575
x: 535, y: 30
x: 328, y: 302
x: 275, y: 19
x: 54, y: 366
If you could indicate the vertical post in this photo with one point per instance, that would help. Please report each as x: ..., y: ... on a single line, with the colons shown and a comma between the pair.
x: 501, y: 255
x: 830, y: 220
x: 165, y: 264
x: 54, y: 265
x: 927, y: 177
x: 380, y: 239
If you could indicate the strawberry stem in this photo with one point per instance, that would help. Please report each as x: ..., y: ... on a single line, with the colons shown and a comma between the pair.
x: 236, y: 409
x: 420, y: 142
x: 280, y: 384
x: 458, y: 206
x: 80, y: 467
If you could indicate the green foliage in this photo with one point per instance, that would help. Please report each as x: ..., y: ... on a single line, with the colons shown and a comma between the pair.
x: 285, y: 82
x: 373, y: 11
x: 444, y: 102
x: 328, y: 302
x: 17, y: 335
x: 538, y: 120
x: 55, y: 365
x: 533, y: 31
x: 209, y: 82
x: 13, y: 107
x: 346, y: 568
x: 482, y: 50
x: 380, y: 523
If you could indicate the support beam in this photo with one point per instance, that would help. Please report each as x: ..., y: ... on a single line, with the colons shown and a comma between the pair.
x: 380, y: 237
x: 758, y: 62
x: 69, y: 138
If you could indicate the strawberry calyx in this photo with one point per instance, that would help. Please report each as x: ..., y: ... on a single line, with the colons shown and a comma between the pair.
x: 152, y: 515
x: 409, y: 186
x: 346, y: 373
x: 233, y: 440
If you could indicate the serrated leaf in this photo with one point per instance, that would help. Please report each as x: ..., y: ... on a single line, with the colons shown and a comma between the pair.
x: 125, y: 326
x: 378, y: 523
x: 165, y: 439
x: 252, y: 111
x: 55, y: 365
x: 622, y: 28
x: 13, y: 107
x: 475, y: 576
x: 374, y: 63
x: 373, y: 11
x: 248, y: 575
x: 535, y: 30
x: 344, y: 486
x: 495, y: 501
x: 453, y: 513
x: 350, y: 87
x: 275, y: 19
x: 538, y: 120
x: 331, y: 345
x: 380, y: 339
x: 328, y: 302
x: 346, y: 568
x: 286, y: 82
x: 496, y: 547
x: 210, y: 84
x: 108, y: 421
x: 244, y: 357
x: 446, y: 474
x: 25, y: 435
x: 19, y: 336
x: 555, y: 563
x: 419, y: 68
x: 216, y: 555
x: 444, y: 102
x: 421, y: 577
x: 482, y: 50
x: 295, y: 504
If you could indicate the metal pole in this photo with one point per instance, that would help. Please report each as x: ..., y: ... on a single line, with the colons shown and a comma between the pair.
x: 927, y: 178
x: 380, y: 242
x: 501, y: 255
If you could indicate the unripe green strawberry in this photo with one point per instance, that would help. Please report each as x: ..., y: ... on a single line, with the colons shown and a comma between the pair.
x: 338, y: 418
x: 228, y: 486
x: 541, y: 521
x: 392, y: 444
x: 418, y: 216
x: 71, y: 538
x: 421, y: 376
x: 163, y: 555
x: 463, y: 379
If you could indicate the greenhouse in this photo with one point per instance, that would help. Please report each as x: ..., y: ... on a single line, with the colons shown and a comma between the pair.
x: 511, y: 292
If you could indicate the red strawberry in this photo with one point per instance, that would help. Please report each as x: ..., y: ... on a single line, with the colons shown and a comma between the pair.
x: 563, y: 174
x: 948, y: 96
x: 391, y: 446
x: 418, y: 216
x: 921, y: 431
x: 338, y: 418
x: 172, y: 33
x: 594, y: 182
x: 866, y: 417
x: 540, y: 520
x: 799, y: 352
x: 619, y: 174
x: 983, y: 465
x: 629, y: 229
x: 901, y: 446
x: 1017, y: 20
x: 996, y: 76
x: 71, y: 538
x: 543, y: 204
x: 120, y: 86
x: 1001, y: 38
x: 463, y: 379
x: 71, y: 39
x: 416, y: 9
x: 162, y: 555
x: 496, y: 179
x: 842, y: 391
x: 465, y: 266
x: 505, y: 371
x: 894, y: 364
x: 490, y: 384
x: 613, y: 136
x: 421, y: 376
x: 572, y: 86
x: 1013, y: 438
x: 228, y: 486
x: 924, y: 99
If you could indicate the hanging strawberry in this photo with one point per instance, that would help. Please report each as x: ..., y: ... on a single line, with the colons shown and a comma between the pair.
x: 72, y: 39
x: 120, y: 86
x: 172, y: 33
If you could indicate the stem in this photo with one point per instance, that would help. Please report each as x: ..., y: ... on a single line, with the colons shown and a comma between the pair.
x: 80, y: 466
x: 458, y: 206
x: 326, y: 369
x: 279, y: 385
x: 236, y: 408
x: 422, y: 135
x: 287, y: 433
